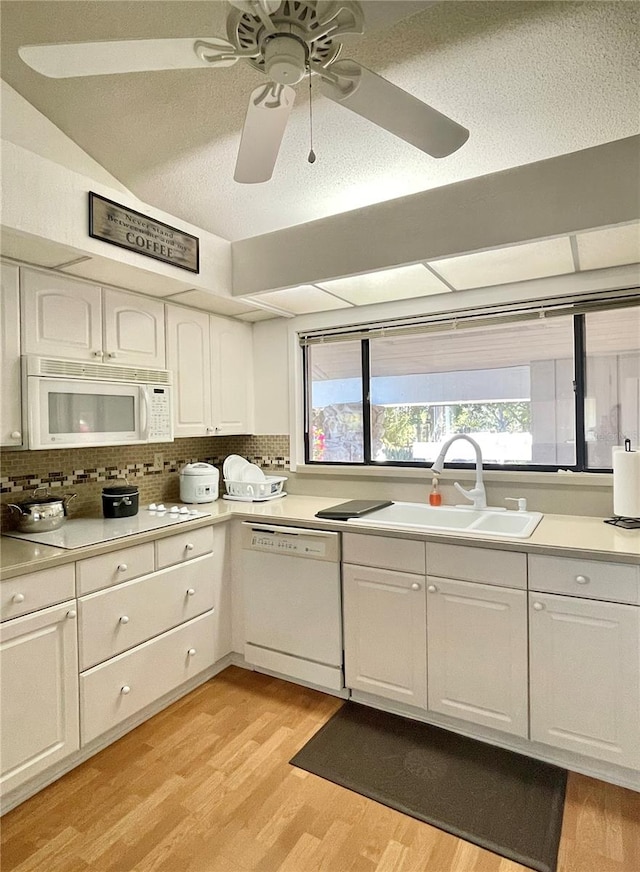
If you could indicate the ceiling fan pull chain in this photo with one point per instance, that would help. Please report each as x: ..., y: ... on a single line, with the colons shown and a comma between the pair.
x: 312, y: 154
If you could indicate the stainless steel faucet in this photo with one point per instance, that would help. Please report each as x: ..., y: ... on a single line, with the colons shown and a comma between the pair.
x: 477, y: 494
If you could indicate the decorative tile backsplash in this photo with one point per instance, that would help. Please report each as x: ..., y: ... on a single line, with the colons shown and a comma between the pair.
x: 153, y: 468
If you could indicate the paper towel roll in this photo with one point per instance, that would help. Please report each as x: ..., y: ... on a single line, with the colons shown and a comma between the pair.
x: 626, y: 484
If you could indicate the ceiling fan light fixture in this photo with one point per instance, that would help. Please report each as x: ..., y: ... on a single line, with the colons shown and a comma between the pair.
x: 285, y: 58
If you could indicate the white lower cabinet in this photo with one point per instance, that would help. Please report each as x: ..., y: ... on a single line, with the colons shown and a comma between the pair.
x: 585, y: 676
x: 39, y: 666
x: 477, y: 653
x: 385, y: 633
x: 124, y: 685
x: 119, y: 618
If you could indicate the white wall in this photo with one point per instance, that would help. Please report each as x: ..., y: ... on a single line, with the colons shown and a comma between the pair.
x: 45, y: 183
x: 271, y: 376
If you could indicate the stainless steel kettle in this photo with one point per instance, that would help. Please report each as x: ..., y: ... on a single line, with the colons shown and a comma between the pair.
x: 41, y: 513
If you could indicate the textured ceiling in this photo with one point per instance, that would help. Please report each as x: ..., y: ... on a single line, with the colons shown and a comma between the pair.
x: 530, y: 80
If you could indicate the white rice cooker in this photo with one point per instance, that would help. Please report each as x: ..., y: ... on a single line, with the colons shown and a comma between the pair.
x: 199, y: 483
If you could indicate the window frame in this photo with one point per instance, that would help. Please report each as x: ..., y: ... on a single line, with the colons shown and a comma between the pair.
x: 627, y: 298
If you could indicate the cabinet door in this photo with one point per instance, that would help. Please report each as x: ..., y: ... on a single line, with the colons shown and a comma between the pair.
x: 39, y: 663
x: 61, y: 317
x: 231, y: 376
x: 133, y: 330
x: 188, y: 357
x: 477, y: 653
x: 119, y: 618
x: 585, y: 677
x: 385, y: 633
x: 10, y: 402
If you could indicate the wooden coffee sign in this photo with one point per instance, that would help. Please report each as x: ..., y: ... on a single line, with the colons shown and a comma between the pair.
x: 129, y: 229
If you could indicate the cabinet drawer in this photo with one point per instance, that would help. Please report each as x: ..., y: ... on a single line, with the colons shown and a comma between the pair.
x: 383, y: 552
x: 37, y: 590
x: 483, y: 565
x: 94, y: 573
x: 123, y: 686
x: 184, y: 546
x: 122, y: 617
x: 593, y: 579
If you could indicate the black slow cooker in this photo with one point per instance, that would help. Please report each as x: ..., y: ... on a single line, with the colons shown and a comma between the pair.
x: 120, y: 501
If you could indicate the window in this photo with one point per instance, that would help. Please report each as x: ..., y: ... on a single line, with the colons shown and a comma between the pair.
x: 612, y: 383
x: 537, y: 390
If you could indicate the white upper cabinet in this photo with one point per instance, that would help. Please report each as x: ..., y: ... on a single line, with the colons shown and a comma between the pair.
x: 212, y: 363
x: 60, y: 317
x: 189, y: 358
x: 231, y: 376
x: 76, y: 320
x: 10, y: 406
x: 133, y: 330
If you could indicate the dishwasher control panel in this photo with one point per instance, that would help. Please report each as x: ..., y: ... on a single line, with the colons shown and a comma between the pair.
x: 297, y: 543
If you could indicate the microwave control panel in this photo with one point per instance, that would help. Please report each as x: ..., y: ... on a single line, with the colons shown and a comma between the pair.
x: 160, y: 428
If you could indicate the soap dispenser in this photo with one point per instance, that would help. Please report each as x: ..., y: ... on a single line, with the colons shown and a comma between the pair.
x: 435, y: 497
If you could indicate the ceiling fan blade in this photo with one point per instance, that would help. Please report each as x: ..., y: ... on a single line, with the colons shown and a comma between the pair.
x: 65, y: 60
x: 250, y: 6
x: 388, y: 106
x: 267, y: 114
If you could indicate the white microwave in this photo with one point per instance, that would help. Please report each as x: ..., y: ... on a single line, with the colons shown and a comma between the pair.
x: 71, y: 404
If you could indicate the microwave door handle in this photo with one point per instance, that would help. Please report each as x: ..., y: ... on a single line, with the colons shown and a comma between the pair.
x: 144, y: 413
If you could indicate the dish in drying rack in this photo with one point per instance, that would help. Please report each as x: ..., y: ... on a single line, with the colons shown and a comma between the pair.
x: 254, y: 499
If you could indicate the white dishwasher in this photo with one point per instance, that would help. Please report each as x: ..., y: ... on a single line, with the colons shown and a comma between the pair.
x: 292, y: 603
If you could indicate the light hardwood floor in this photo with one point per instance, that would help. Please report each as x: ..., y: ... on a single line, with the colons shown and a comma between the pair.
x: 206, y: 786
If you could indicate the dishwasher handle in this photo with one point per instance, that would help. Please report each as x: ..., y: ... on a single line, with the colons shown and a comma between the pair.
x: 290, y: 531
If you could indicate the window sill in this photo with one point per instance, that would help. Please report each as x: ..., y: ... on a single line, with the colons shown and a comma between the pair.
x: 551, y: 479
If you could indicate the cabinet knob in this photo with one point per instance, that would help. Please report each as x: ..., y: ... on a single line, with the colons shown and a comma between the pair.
x: 415, y: 586
x: 97, y: 354
x: 112, y: 354
x: 191, y: 591
x: 71, y: 613
x: 188, y: 546
x: 538, y: 606
x: 125, y: 689
x: 192, y: 652
x: 124, y: 619
x: 432, y: 588
x: 122, y: 567
x: 582, y: 579
x: 17, y: 598
x: 16, y: 434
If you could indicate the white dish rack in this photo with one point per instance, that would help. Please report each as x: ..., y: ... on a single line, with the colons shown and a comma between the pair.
x: 270, y: 488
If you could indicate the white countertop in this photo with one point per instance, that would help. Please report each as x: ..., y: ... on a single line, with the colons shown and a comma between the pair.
x: 585, y: 536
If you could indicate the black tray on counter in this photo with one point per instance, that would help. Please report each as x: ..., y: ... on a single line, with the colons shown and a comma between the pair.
x: 352, y: 509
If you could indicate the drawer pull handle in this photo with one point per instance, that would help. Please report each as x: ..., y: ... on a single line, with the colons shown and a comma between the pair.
x: 124, y: 619
x: 122, y: 567
x: 538, y: 607
x: 125, y: 690
x: 17, y: 598
x: 432, y: 588
x: 415, y: 586
x: 191, y: 591
x: 71, y: 613
x: 188, y: 546
x: 192, y: 652
x: 582, y: 579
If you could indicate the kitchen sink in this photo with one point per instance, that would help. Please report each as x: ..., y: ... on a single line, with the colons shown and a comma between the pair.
x: 453, y: 519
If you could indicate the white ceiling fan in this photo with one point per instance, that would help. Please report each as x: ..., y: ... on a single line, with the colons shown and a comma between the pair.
x: 286, y: 40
